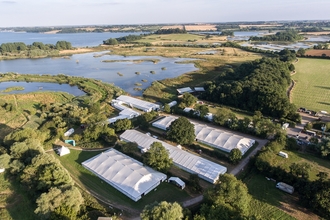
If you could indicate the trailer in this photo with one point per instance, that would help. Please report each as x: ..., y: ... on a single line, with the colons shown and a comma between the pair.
x: 285, y: 187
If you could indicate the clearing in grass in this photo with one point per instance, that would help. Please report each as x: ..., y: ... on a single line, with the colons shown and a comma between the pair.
x: 312, y: 87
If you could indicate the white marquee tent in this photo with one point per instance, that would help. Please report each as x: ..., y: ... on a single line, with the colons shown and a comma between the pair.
x: 191, y: 163
x: 138, y: 103
x: 213, y: 137
x: 177, y: 181
x: 63, y: 151
x: 125, y: 174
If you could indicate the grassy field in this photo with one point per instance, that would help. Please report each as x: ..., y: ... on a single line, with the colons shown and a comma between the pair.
x: 270, y: 203
x: 312, y: 89
x: 72, y: 162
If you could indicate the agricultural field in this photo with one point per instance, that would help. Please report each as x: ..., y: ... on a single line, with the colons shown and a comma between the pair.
x: 312, y: 88
x: 270, y: 203
x: 318, y: 53
x: 163, y: 39
x: 87, y: 180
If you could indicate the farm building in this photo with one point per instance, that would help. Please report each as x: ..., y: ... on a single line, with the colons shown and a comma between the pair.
x: 138, y: 103
x: 213, y: 137
x: 191, y: 163
x: 125, y: 174
x: 181, y: 91
x: 63, y: 151
x: 69, y: 132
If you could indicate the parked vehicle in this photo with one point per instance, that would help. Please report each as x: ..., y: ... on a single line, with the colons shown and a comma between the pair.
x: 283, y: 154
x: 285, y: 187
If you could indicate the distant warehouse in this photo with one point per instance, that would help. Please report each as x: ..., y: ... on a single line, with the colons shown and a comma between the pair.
x: 191, y: 163
x: 217, y: 138
x: 137, y: 103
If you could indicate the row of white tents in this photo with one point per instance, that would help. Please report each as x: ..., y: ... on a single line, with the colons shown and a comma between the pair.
x: 217, y: 138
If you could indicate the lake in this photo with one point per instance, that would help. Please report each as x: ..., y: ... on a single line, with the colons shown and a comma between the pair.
x: 76, y: 39
x: 90, y: 65
x: 40, y: 86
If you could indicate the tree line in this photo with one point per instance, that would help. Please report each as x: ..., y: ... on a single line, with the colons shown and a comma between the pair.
x: 259, y: 85
x: 18, y: 47
x: 123, y: 40
x: 287, y: 35
x: 171, y: 31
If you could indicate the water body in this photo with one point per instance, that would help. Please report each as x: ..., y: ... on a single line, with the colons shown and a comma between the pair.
x: 90, y: 65
x: 279, y: 47
x: 40, y: 86
x: 313, y: 38
x: 76, y: 39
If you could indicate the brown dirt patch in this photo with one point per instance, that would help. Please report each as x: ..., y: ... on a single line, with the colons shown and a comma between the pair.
x: 291, y: 207
x: 317, y: 52
x: 78, y: 50
x: 316, y: 33
x: 201, y: 27
x: 172, y: 27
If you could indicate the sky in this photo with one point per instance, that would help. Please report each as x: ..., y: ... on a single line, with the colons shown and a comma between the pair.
x: 21, y: 13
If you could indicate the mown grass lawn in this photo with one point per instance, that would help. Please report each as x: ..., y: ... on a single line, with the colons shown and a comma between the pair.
x: 85, y: 178
x: 312, y: 89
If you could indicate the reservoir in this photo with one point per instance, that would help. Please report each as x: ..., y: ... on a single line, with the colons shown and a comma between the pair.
x: 40, y: 86
x: 128, y: 73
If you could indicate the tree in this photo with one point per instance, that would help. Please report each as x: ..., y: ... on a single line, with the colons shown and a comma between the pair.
x: 129, y: 147
x: 188, y: 99
x: 59, y: 203
x: 202, y: 110
x: 123, y: 125
x: 158, y: 157
x: 4, y: 161
x: 162, y: 211
x: 235, y: 155
x: 300, y: 170
x: 182, y: 131
x: 301, y: 52
x: 229, y: 198
x: 167, y: 108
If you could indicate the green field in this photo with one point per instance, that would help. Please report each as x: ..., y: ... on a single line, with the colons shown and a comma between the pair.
x: 265, y: 198
x: 85, y: 178
x: 312, y: 89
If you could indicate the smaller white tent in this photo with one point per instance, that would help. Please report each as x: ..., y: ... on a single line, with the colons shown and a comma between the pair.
x: 177, y: 181
x: 69, y: 132
x: 2, y: 170
x: 63, y: 151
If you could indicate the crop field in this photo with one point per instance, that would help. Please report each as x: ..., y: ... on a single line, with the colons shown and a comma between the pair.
x: 270, y: 203
x: 312, y: 89
x: 318, y: 52
x: 86, y: 179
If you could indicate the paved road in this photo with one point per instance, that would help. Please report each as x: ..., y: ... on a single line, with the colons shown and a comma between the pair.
x: 244, y: 162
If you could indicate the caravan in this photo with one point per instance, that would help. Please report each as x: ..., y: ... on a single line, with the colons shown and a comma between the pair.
x: 283, y: 154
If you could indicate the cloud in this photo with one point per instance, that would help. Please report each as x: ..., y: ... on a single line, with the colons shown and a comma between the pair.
x: 8, y: 2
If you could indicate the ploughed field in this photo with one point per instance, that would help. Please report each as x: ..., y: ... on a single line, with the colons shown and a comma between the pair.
x: 318, y: 52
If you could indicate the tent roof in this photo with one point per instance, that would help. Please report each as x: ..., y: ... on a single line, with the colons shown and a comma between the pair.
x: 138, y: 103
x: 184, y: 90
x: 177, y: 180
x: 63, y: 151
x: 124, y: 173
x: 193, y: 164
x: 214, y: 137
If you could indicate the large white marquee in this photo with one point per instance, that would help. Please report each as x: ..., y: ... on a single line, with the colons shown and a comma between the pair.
x: 127, y: 175
x: 191, y: 163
